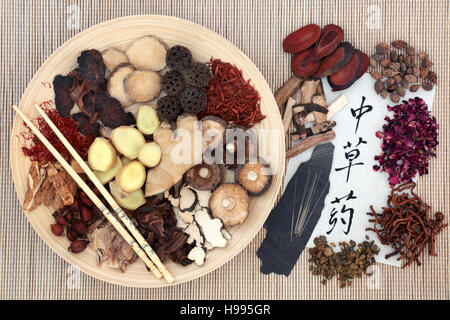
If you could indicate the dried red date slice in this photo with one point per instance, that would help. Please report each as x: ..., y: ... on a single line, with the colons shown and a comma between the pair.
x: 335, y: 61
x: 301, y: 39
x: 364, y: 64
x: 345, y: 77
x: 332, y: 35
x: 301, y: 63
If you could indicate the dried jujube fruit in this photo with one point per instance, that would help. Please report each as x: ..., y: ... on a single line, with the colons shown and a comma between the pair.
x: 345, y: 77
x: 302, y: 65
x: 332, y: 35
x: 335, y: 61
x: 301, y: 39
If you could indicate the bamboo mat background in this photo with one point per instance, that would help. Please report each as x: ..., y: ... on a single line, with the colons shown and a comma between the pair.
x: 32, y: 30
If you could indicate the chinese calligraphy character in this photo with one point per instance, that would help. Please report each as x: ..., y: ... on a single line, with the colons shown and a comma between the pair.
x: 359, y: 112
x: 352, y: 155
x: 346, y: 216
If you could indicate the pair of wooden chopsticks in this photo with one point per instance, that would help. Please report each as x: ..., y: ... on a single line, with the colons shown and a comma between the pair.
x: 142, y: 248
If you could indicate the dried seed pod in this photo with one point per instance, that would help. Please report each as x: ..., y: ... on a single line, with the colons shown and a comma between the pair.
x: 424, y: 72
x: 401, y: 58
x: 394, y: 66
x: 78, y: 245
x: 397, y: 78
x: 401, y: 91
x: 399, y: 44
x: 375, y: 75
x: 409, y: 71
x: 393, y: 56
x: 423, y: 55
x: 432, y: 77
x: 414, y: 87
x: 385, y: 62
x: 389, y: 73
x: 410, y: 61
x: 410, y: 51
x: 379, y: 86
x: 403, y: 67
x: 411, y: 78
x: 57, y: 229
x: 416, y: 71
x: 394, y: 97
x: 404, y: 83
x: 427, y: 63
x: 390, y: 81
x: 427, y: 86
x: 372, y: 62
x: 392, y: 88
x: 383, y: 48
x: 377, y: 57
x: 384, y: 94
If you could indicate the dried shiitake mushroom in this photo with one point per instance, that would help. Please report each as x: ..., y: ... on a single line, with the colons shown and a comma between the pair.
x: 255, y: 178
x: 240, y: 145
x: 147, y: 53
x: 116, y: 87
x: 204, y: 176
x: 229, y: 202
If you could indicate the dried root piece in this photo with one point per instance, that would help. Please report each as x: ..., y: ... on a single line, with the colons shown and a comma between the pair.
x: 116, y: 86
x: 142, y: 86
x: 101, y: 155
x: 147, y: 53
x: 113, y: 57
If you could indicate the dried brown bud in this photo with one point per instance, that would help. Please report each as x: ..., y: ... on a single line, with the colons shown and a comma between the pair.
x: 389, y: 73
x: 397, y: 78
x: 57, y: 229
x: 410, y: 61
x: 423, y: 72
x: 383, y: 48
x: 404, y: 83
x: 399, y: 44
x: 427, y: 86
x: 410, y: 51
x: 423, y: 55
x: 426, y: 63
x: 394, y: 66
x: 379, y: 86
x: 414, y: 87
x: 394, y: 97
x: 384, y: 94
x: 432, y: 77
x: 385, y: 62
x: 401, y: 91
x: 375, y: 75
x: 393, y: 56
x: 411, y: 78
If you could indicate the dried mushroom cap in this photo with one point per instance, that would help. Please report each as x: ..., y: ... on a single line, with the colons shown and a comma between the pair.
x: 147, y: 53
x: 113, y: 57
x: 229, y: 202
x: 204, y: 176
x: 116, y: 88
x: 188, y: 199
x: 213, y: 130
x: 255, y: 178
x: 142, y: 86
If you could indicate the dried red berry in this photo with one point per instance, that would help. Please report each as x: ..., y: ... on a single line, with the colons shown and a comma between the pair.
x: 78, y: 245
x: 86, y: 214
x: 61, y: 220
x: 80, y: 227
x: 57, y: 229
x: 71, y: 234
x: 85, y: 199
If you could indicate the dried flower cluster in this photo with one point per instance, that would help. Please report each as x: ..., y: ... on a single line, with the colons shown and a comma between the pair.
x: 351, y: 262
x: 409, y: 140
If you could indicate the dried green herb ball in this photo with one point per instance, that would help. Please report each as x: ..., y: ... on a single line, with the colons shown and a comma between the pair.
x: 197, y: 75
x: 172, y: 82
x: 193, y: 99
x: 169, y: 108
x: 179, y: 58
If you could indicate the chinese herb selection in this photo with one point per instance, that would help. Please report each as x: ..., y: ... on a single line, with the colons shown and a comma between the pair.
x: 119, y: 109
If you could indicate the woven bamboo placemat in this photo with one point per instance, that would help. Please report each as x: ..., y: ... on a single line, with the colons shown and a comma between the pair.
x: 32, y: 30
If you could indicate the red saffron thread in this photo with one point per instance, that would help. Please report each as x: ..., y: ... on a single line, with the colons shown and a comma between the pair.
x: 230, y: 96
x: 37, y: 151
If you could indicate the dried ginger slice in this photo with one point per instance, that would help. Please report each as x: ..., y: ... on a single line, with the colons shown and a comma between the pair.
x: 147, y: 53
x: 59, y: 181
x: 36, y: 177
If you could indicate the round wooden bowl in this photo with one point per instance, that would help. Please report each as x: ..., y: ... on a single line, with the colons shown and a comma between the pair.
x: 119, y: 33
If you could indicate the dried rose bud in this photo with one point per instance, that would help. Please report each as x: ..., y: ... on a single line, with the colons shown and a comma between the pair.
x: 78, y: 246
x: 57, y: 229
x: 61, y: 220
x: 71, y: 234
